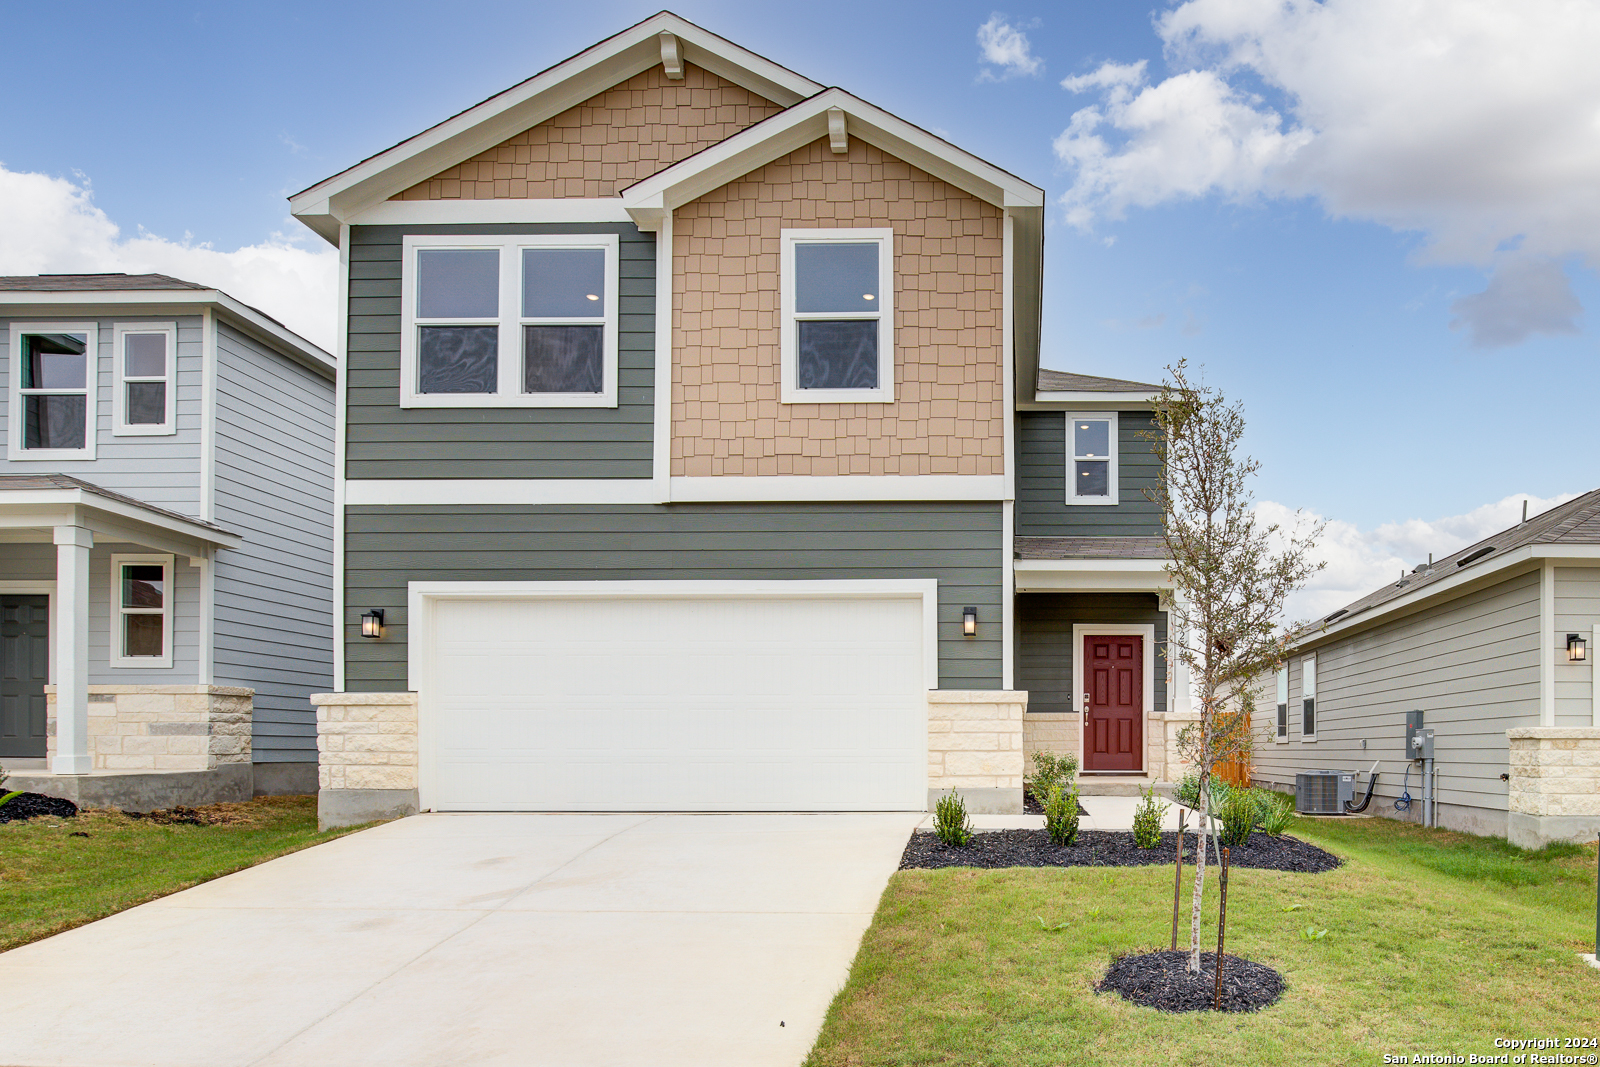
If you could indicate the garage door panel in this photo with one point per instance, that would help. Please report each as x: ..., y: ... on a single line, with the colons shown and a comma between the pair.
x: 677, y: 704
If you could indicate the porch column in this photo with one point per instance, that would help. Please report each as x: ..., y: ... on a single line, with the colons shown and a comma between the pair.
x: 72, y: 649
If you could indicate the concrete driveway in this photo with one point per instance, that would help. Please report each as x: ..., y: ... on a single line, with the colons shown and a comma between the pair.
x: 475, y: 939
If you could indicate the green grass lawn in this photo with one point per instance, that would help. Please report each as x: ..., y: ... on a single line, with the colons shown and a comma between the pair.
x: 52, y: 879
x: 1437, y: 942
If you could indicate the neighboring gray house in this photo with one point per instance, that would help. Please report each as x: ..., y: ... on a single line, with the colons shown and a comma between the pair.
x: 166, y: 501
x: 1495, y: 645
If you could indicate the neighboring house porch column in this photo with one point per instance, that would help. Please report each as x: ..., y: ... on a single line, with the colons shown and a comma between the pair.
x: 72, y: 649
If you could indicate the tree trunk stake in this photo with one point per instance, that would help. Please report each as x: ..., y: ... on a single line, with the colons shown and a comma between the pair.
x: 1222, y: 925
x: 1177, y: 882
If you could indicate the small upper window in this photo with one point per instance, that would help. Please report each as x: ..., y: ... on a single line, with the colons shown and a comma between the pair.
x: 53, y: 391
x: 1092, y: 458
x: 146, y: 356
x: 838, y: 316
x: 141, y: 612
x: 1283, y: 703
x: 1308, y: 699
x: 527, y: 321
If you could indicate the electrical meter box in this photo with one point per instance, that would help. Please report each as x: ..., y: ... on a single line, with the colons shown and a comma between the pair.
x: 1419, y: 743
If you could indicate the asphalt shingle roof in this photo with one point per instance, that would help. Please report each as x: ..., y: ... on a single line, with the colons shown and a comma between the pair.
x: 22, y: 482
x: 1089, y: 548
x: 91, y: 283
x: 1060, y: 381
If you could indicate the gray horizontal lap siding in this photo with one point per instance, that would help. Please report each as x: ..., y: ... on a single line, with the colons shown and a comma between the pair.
x: 1470, y: 665
x: 1042, y: 509
x: 274, y: 486
x: 384, y: 441
x: 1045, y: 648
x: 958, y: 544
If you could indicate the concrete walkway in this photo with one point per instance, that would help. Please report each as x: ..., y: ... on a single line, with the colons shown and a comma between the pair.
x: 569, y: 940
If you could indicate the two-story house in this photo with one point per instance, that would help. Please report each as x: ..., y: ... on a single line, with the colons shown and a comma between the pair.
x: 693, y: 454
x: 165, y: 542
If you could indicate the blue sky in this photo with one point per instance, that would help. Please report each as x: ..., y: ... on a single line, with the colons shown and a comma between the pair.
x: 1311, y: 255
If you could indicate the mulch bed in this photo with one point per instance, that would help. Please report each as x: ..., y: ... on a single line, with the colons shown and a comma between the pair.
x: 32, y: 805
x: 1105, y: 848
x: 1161, y: 980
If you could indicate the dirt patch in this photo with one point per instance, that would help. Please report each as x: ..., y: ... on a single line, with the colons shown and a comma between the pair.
x: 1105, y: 848
x: 252, y: 813
x: 1161, y: 980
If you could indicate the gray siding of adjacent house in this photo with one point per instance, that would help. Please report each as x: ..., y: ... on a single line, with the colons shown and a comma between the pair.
x: 959, y: 544
x: 1471, y: 665
x: 385, y: 441
x: 1577, y: 612
x: 1042, y: 509
x: 36, y: 562
x: 274, y: 486
x: 162, y: 470
x: 1045, y: 648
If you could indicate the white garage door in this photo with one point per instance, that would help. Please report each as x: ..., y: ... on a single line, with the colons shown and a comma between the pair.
x: 675, y: 704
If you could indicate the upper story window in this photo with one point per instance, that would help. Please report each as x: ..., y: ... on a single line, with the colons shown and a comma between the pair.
x: 141, y: 611
x: 1283, y: 703
x: 520, y: 321
x: 145, y: 401
x: 53, y: 388
x: 1092, y: 458
x: 838, y: 316
x: 1308, y: 698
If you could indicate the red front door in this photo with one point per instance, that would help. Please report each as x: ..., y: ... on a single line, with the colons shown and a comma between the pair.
x: 1113, y: 725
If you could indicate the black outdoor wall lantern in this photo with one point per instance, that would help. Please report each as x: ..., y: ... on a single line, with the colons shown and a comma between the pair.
x: 372, y: 622
x: 1577, y: 649
x: 969, y: 622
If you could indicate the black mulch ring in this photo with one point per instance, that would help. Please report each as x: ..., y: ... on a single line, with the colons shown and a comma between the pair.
x: 32, y: 805
x: 1161, y: 980
x: 1105, y: 848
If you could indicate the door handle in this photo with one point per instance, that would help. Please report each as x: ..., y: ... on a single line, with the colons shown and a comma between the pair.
x: 1086, y: 709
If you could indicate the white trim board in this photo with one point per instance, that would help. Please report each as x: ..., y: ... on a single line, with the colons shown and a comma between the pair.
x: 843, y: 487
x: 426, y: 492
x: 1080, y: 630
x: 492, y: 212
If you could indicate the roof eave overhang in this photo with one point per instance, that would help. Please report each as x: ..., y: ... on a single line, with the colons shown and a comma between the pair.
x: 172, y: 302
x: 115, y: 519
x: 1092, y: 575
x: 333, y: 201
x: 1090, y: 401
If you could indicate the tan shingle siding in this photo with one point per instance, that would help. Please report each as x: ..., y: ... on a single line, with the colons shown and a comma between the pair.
x: 948, y: 414
x: 606, y: 143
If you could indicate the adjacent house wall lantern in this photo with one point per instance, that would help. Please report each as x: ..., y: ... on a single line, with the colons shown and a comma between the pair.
x: 372, y: 622
x: 1577, y: 649
x: 969, y: 622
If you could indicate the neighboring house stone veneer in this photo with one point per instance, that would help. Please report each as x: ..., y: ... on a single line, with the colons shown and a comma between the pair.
x: 162, y: 727
x: 1554, y: 792
x: 948, y: 414
x: 606, y: 143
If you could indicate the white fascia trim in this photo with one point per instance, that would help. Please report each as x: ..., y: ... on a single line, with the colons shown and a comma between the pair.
x: 420, y: 596
x: 842, y: 487
x: 450, y: 492
x: 1090, y: 401
x: 805, y: 122
x: 491, y: 212
x: 1080, y: 630
x: 1091, y: 575
x: 13, y: 501
x: 339, y: 198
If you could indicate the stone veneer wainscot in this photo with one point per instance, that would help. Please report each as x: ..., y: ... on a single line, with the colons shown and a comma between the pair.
x: 1554, y: 792
x: 162, y: 727
x: 975, y: 748
x: 366, y: 757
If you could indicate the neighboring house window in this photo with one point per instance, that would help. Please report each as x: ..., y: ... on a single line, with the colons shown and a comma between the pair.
x: 146, y: 355
x: 524, y: 321
x: 1308, y: 699
x: 141, y: 611
x: 838, y: 316
x: 1283, y: 703
x: 53, y: 388
x: 1092, y: 458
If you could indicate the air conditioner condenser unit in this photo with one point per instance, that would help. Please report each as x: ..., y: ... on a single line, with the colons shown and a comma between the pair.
x: 1323, y: 792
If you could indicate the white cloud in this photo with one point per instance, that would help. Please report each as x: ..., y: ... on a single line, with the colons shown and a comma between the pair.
x: 1524, y: 297
x: 51, y: 226
x: 1005, y: 50
x: 1473, y: 122
x: 1362, y: 561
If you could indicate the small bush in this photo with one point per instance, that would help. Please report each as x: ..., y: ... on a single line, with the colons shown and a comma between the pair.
x: 1061, y: 813
x: 1050, y: 769
x: 1276, y: 812
x: 1147, y: 819
x: 951, y: 821
x: 1238, y: 816
x: 1187, y: 792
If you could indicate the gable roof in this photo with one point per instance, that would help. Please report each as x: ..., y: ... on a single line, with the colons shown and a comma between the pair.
x: 530, y: 102
x: 154, y: 294
x: 1575, y: 523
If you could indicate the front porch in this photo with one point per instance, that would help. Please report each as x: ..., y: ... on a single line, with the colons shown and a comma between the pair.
x: 106, y: 609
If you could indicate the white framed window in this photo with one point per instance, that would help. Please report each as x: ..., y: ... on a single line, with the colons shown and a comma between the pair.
x: 145, y: 402
x: 837, y: 328
x: 1283, y: 705
x: 141, y: 611
x: 509, y: 321
x: 1092, y: 457
x: 1308, y: 698
x: 54, y: 390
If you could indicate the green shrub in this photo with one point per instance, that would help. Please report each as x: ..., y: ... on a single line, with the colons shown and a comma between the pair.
x: 1050, y: 769
x: 1187, y: 792
x: 1238, y: 816
x: 950, y: 820
x: 1147, y: 819
x: 1276, y: 811
x: 1061, y: 813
